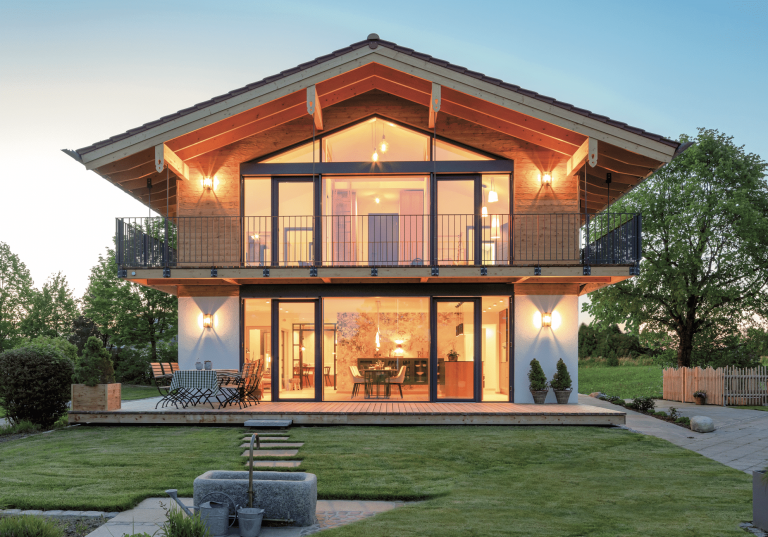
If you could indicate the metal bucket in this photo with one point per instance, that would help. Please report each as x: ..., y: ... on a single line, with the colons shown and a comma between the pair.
x: 249, y: 519
x: 215, y: 515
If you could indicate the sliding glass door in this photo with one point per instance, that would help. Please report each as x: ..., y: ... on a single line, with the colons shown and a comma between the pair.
x: 297, y: 345
x: 456, y: 348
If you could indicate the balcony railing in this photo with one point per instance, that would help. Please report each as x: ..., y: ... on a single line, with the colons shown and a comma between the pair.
x: 379, y: 240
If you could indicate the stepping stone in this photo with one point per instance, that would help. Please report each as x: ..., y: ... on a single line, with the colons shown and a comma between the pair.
x: 275, y: 464
x: 268, y: 423
x: 268, y: 438
x: 272, y: 453
x: 275, y: 444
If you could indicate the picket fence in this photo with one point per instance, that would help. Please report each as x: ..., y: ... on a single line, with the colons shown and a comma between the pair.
x: 724, y: 386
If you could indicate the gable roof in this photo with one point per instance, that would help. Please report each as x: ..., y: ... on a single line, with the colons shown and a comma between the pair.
x: 373, y: 42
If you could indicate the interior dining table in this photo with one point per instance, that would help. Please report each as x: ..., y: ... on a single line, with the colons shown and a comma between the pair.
x: 378, y: 378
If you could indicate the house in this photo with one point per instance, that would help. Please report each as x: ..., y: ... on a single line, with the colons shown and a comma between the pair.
x: 379, y: 205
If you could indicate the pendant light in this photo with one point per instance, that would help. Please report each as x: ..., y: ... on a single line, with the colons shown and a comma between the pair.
x: 484, y: 210
x: 493, y: 196
x: 378, y: 325
x: 384, y: 144
x: 399, y: 341
x: 495, y: 227
x: 375, y: 156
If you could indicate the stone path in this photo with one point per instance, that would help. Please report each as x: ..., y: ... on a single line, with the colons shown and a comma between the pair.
x: 149, y: 515
x: 740, y: 438
x: 271, y: 442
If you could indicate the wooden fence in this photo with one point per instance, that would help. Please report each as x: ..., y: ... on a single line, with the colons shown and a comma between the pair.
x: 724, y: 386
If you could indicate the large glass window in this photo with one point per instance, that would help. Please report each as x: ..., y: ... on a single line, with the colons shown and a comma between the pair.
x: 375, y: 140
x: 296, y: 349
x: 376, y: 347
x: 302, y: 153
x: 257, y: 227
x: 376, y: 221
x: 494, y: 342
x: 447, y: 151
x: 455, y: 350
x: 495, y: 219
x: 258, y: 340
x: 455, y: 222
x: 295, y: 223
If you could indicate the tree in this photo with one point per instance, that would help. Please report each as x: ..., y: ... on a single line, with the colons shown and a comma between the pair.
x: 705, y: 247
x: 15, y: 288
x: 95, y: 365
x: 52, y: 310
x: 82, y: 329
x: 104, y: 299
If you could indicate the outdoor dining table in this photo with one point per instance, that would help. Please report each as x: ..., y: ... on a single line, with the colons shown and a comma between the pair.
x: 377, y: 378
x: 191, y: 386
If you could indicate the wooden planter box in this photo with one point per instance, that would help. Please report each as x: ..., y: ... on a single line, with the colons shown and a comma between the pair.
x: 759, y: 501
x: 99, y: 397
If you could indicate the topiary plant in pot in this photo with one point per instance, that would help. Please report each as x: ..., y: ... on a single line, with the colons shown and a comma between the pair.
x: 537, y: 381
x: 93, y: 383
x: 561, y: 383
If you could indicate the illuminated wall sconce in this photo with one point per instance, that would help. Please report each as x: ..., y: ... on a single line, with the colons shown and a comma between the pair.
x: 546, y: 319
x: 210, y: 183
x: 546, y: 179
x: 207, y: 320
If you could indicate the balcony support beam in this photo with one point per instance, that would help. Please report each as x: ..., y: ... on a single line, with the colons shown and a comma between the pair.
x: 434, y: 104
x: 165, y: 157
x: 313, y: 107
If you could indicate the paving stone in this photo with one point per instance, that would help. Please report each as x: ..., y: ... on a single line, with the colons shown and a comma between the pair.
x: 272, y: 453
x: 275, y: 464
x: 276, y: 444
x: 53, y: 512
x: 268, y: 438
x: 9, y: 512
x: 72, y: 514
x: 111, y: 515
x: 33, y: 512
x: 91, y: 514
x: 268, y: 423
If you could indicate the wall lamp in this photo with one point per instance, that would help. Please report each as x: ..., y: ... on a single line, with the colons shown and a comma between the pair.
x: 207, y: 320
x: 210, y: 183
x: 549, y: 320
x: 546, y: 319
x: 545, y: 178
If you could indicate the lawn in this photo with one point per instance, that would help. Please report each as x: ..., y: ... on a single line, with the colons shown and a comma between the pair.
x: 626, y: 382
x: 471, y: 480
x: 130, y: 392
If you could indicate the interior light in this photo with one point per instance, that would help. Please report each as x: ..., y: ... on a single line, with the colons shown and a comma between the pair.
x: 485, y: 212
x: 384, y: 145
x: 375, y: 156
x: 495, y: 227
x: 207, y: 320
x: 546, y: 179
x: 256, y: 236
x: 377, y: 200
x: 493, y: 196
x: 303, y: 348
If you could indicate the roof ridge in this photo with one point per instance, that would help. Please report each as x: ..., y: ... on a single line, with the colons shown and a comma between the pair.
x: 373, y: 41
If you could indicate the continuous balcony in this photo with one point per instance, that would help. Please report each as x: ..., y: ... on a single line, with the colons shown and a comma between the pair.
x: 379, y: 240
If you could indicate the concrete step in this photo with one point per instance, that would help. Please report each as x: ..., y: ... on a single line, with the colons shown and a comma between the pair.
x: 268, y: 438
x: 268, y: 423
x: 275, y: 444
x: 272, y: 453
x: 275, y: 464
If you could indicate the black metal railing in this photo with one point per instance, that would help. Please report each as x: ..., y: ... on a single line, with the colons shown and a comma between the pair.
x: 379, y: 240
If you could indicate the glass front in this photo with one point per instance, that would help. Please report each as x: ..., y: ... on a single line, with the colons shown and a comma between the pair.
x: 455, y: 350
x: 302, y: 153
x: 495, y: 219
x: 257, y: 225
x: 296, y: 350
x: 375, y: 140
x: 446, y: 151
x: 258, y: 340
x: 295, y: 223
x: 455, y: 222
x: 376, y: 348
x: 378, y: 221
x: 494, y: 343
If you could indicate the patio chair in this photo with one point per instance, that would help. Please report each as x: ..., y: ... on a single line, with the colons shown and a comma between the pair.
x: 161, y: 378
x: 252, y: 391
x: 232, y: 388
x: 398, y: 380
x: 357, y: 378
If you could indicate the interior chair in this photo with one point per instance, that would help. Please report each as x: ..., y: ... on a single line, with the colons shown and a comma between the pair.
x: 327, y: 375
x: 398, y: 380
x: 357, y: 379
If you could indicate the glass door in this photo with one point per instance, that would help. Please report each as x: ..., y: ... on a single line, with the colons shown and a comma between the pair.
x: 293, y: 204
x: 297, y: 346
x: 458, y: 212
x: 456, y: 349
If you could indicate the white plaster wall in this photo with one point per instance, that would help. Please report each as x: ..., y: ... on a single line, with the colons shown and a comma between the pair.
x: 547, y: 345
x: 221, y: 343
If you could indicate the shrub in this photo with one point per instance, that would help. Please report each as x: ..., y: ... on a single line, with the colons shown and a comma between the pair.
x: 65, y: 347
x: 613, y: 360
x: 700, y: 393
x: 95, y: 365
x: 132, y: 365
x: 168, y: 352
x: 28, y: 526
x: 23, y: 427
x: 562, y: 379
x: 35, y: 384
x: 660, y: 414
x: 536, y: 377
x: 673, y: 413
x: 179, y: 525
x: 644, y: 404
x: 684, y: 420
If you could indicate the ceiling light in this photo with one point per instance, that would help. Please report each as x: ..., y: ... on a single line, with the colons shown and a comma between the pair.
x: 384, y: 145
x: 375, y: 156
x: 484, y: 212
x: 493, y: 196
x: 377, y: 200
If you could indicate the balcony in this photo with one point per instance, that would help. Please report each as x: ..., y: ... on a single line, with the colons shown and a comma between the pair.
x: 380, y: 240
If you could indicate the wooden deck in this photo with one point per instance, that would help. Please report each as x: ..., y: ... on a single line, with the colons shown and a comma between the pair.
x: 361, y: 413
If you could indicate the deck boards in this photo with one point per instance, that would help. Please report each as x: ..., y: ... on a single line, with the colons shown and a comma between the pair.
x: 366, y: 413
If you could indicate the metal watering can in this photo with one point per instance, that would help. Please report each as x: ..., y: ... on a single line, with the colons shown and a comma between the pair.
x: 215, y: 515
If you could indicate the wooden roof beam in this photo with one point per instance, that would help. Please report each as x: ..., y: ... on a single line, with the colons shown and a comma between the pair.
x: 313, y: 107
x: 434, y: 105
x: 165, y: 157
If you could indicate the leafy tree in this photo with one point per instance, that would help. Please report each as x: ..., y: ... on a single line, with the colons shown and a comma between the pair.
x: 95, y: 365
x: 63, y: 346
x: 15, y: 288
x: 104, y: 299
x: 705, y: 246
x: 52, y: 310
x: 82, y: 329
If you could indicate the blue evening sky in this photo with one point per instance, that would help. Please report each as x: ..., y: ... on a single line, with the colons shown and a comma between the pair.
x: 73, y: 73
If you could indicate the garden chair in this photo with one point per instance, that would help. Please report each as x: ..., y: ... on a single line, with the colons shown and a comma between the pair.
x: 252, y: 391
x: 161, y: 377
x: 232, y: 389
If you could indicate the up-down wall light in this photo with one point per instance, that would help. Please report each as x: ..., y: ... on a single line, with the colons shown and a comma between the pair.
x: 546, y: 319
x: 210, y: 183
x: 546, y: 179
x: 549, y: 320
x: 207, y: 320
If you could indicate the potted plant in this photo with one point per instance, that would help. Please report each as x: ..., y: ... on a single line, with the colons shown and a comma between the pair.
x: 700, y: 396
x: 760, y: 499
x: 537, y: 381
x: 561, y: 383
x: 93, y: 383
x: 453, y: 355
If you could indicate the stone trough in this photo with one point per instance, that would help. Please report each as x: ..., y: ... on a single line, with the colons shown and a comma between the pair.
x: 282, y: 495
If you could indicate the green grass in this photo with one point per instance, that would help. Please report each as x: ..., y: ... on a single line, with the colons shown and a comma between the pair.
x: 626, y: 382
x: 763, y: 408
x: 474, y: 481
x: 131, y: 392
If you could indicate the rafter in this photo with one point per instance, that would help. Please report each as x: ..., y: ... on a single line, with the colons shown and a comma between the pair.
x: 165, y: 157
x: 434, y: 104
x: 313, y: 107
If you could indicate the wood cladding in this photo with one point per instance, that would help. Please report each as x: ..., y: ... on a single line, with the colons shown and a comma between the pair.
x: 207, y: 290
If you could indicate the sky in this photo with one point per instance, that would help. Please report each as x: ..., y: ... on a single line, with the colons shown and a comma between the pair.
x: 74, y: 73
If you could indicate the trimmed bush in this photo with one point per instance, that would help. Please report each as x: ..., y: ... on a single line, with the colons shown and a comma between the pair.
x: 95, y: 365
x: 644, y: 404
x: 35, y: 384
x: 536, y: 376
x: 562, y: 379
x: 28, y: 526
